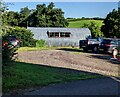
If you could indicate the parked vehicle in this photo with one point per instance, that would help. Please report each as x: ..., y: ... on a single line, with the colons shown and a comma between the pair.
x: 89, y: 44
x: 14, y: 41
x: 10, y: 41
x: 108, y: 44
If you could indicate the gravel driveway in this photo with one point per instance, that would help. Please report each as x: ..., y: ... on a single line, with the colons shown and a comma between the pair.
x: 97, y: 63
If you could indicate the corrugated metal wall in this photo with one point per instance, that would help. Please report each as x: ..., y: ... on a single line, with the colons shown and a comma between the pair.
x: 77, y: 34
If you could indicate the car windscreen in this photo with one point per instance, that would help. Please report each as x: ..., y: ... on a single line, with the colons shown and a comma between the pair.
x: 106, y: 41
x: 12, y: 38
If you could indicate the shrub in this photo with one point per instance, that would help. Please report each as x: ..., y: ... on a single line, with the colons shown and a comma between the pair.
x: 8, y: 51
x: 40, y: 43
x: 7, y: 55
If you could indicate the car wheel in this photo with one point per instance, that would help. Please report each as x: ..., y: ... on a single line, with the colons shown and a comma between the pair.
x: 95, y: 49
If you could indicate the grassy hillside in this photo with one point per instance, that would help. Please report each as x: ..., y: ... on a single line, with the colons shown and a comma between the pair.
x: 79, y: 23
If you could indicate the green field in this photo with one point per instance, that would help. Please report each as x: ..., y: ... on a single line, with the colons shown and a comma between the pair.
x: 79, y: 23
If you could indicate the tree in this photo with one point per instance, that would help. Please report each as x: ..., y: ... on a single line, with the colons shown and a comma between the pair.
x: 47, y: 16
x: 94, y: 28
x: 42, y: 16
x: 3, y: 12
x: 3, y: 7
x: 111, y: 24
x: 24, y: 14
x: 13, y: 18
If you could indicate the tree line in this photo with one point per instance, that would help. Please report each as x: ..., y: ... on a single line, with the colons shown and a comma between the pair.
x: 42, y: 16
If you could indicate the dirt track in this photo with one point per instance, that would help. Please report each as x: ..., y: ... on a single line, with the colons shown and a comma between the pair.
x: 97, y: 63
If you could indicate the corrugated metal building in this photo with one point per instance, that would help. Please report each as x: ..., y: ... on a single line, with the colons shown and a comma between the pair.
x: 60, y: 36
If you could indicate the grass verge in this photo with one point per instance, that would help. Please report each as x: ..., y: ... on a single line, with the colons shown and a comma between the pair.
x: 47, y: 48
x: 34, y: 48
x: 20, y: 75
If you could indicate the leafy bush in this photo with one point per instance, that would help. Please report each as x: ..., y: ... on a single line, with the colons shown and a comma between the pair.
x: 41, y: 43
x: 8, y: 51
x: 7, y: 55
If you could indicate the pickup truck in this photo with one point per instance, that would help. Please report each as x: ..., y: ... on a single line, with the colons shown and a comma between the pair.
x: 89, y: 44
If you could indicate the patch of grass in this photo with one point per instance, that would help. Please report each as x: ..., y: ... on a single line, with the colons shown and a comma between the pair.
x: 80, y: 23
x: 71, y: 50
x: 20, y: 75
x: 34, y: 48
x: 75, y: 52
x: 43, y: 48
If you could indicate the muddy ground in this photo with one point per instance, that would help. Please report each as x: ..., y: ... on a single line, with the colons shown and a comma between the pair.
x: 90, y: 62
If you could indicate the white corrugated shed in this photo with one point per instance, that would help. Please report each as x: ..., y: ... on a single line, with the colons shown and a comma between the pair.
x: 76, y: 35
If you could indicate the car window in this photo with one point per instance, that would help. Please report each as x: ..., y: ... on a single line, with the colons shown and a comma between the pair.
x: 12, y: 38
x: 114, y: 42
x: 106, y: 41
x: 119, y: 42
